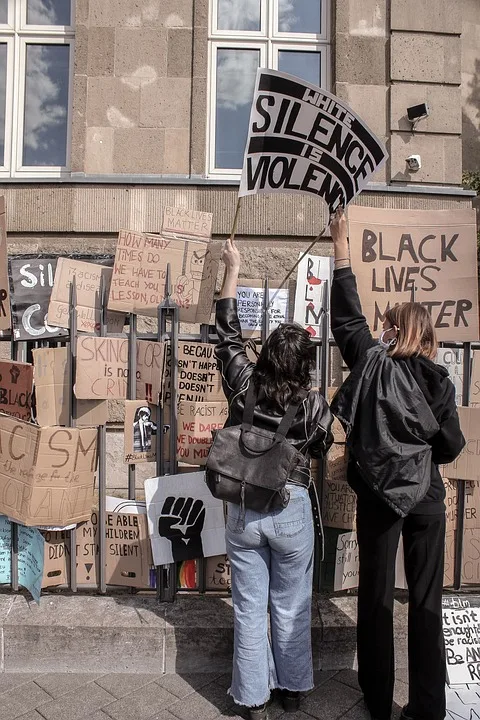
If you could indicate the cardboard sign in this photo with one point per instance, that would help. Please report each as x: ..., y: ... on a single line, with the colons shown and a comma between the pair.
x: 471, y: 518
x: 429, y: 256
x: 30, y: 557
x: 467, y: 465
x: 475, y: 382
x: 5, y: 315
x: 463, y: 702
x: 337, y: 429
x: 347, y: 563
x: 138, y: 282
x: 219, y: 574
x: 52, y: 391
x: 312, y: 273
x: 140, y: 435
x: 461, y: 631
x: 16, y: 385
x: 470, y: 557
x: 452, y: 360
x: 199, y: 379
x: 46, y: 474
x: 87, y: 278
x: 339, y: 506
x: 187, y: 223
x: 102, y: 369
x: 250, y: 306
x: 31, y: 283
x: 128, y: 556
x: 196, y: 422
x: 303, y: 139
x: 185, y: 521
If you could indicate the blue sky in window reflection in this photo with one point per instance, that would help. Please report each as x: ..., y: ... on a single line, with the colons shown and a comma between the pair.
x: 46, y: 103
x: 48, y: 12
x: 239, y: 14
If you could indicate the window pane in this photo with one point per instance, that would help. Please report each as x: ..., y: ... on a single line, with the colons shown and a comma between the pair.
x: 49, y: 12
x: 3, y: 95
x: 46, y: 105
x: 3, y: 12
x: 236, y: 71
x: 238, y: 15
x: 300, y: 16
x: 305, y: 65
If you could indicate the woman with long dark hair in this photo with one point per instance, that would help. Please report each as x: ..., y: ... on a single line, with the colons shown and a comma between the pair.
x: 271, y: 554
x: 398, y: 409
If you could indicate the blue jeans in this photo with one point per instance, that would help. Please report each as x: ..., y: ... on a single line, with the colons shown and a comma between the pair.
x: 271, y: 561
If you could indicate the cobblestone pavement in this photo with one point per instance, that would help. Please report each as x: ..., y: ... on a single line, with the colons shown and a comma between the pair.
x: 53, y: 696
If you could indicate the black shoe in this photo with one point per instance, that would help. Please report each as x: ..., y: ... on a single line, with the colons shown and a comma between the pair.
x: 259, y: 712
x: 290, y: 700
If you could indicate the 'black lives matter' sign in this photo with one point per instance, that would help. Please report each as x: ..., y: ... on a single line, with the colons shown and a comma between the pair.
x: 429, y: 256
x: 303, y: 139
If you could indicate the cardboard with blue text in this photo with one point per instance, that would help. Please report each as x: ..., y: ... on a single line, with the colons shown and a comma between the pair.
x: 303, y: 139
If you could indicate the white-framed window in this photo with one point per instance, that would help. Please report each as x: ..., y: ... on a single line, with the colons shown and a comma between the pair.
x: 288, y: 35
x: 36, y: 86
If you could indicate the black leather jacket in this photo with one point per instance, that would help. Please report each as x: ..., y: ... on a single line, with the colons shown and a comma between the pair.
x: 310, y: 432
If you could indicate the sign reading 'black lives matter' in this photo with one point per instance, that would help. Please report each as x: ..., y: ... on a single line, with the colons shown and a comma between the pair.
x: 303, y: 139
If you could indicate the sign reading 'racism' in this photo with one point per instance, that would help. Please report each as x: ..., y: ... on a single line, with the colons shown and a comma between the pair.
x: 302, y: 139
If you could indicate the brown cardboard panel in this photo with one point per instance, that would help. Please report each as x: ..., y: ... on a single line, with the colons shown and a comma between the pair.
x: 218, y: 572
x: 16, y: 385
x: 196, y: 422
x: 187, y: 223
x: 199, y: 379
x: 87, y: 278
x: 471, y: 518
x: 426, y: 255
x: 467, y: 465
x: 339, y: 501
x: 470, y: 557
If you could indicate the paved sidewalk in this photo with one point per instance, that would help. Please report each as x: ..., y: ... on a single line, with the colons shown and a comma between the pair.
x: 52, y: 696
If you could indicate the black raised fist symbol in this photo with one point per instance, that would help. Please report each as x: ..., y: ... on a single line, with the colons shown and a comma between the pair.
x: 14, y: 374
x: 182, y: 521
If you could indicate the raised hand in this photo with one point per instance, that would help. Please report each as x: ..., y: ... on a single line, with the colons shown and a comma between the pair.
x: 182, y: 521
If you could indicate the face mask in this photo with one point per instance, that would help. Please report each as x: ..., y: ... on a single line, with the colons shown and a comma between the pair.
x: 386, y: 345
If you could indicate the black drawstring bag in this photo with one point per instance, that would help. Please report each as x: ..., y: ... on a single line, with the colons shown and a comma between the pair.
x: 250, y: 467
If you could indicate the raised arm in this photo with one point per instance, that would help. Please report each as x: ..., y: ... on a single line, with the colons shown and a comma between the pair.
x: 230, y: 351
x: 349, y: 327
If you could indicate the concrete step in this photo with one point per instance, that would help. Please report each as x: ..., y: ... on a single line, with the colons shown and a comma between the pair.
x: 136, y: 634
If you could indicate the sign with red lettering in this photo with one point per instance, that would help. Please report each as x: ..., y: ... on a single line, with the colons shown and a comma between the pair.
x: 303, y: 139
x: 199, y: 378
x: 196, y: 422
x: 427, y: 256
x: 313, y: 273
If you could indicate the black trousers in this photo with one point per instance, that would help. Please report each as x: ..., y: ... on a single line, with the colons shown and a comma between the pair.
x: 378, y: 532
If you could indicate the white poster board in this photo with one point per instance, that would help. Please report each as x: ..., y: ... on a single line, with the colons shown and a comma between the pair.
x: 347, y: 564
x: 312, y: 273
x: 452, y: 360
x: 185, y: 521
x: 461, y: 631
x: 250, y: 307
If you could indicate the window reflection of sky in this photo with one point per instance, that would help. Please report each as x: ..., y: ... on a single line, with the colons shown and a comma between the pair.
x: 3, y: 83
x: 236, y: 71
x: 299, y: 16
x: 48, y: 12
x: 46, y: 104
x: 3, y: 12
x: 305, y: 65
x: 238, y: 15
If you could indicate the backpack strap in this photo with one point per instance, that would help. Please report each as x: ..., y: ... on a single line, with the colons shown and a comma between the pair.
x: 285, y: 423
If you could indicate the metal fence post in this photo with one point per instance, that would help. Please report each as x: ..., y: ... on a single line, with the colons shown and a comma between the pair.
x: 132, y: 393
x: 72, y: 371
x: 457, y: 583
x: 102, y: 464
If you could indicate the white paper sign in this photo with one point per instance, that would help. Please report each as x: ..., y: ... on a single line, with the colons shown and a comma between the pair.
x: 303, y: 139
x: 185, y: 521
x: 347, y: 564
x: 452, y: 360
x: 250, y: 307
x: 463, y: 702
x: 312, y: 273
x: 461, y: 631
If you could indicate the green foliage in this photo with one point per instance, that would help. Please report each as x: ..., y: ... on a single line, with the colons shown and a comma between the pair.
x: 471, y: 180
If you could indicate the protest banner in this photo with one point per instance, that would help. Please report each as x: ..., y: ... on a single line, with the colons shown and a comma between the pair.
x: 47, y: 474
x: 467, y: 465
x: 196, y: 422
x: 30, y: 557
x: 452, y: 360
x: 339, y: 505
x: 139, y: 275
x: 475, y: 381
x: 5, y: 314
x: 313, y: 271
x: 303, y: 139
x: 471, y: 518
x: 250, y: 296
x: 185, y: 521
x: 429, y: 256
x: 199, y: 378
x: 87, y: 280
x: 187, y: 223
x: 16, y: 385
x: 463, y: 702
x: 102, y: 369
x: 461, y: 632
x: 218, y: 572
x: 128, y: 556
x: 347, y: 563
x: 31, y: 283
x: 140, y: 444
x: 470, y: 572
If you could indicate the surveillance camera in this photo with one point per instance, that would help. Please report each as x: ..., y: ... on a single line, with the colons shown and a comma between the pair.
x: 414, y: 162
x: 418, y: 112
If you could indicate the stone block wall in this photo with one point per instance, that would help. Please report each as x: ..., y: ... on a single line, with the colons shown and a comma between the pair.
x: 470, y: 87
